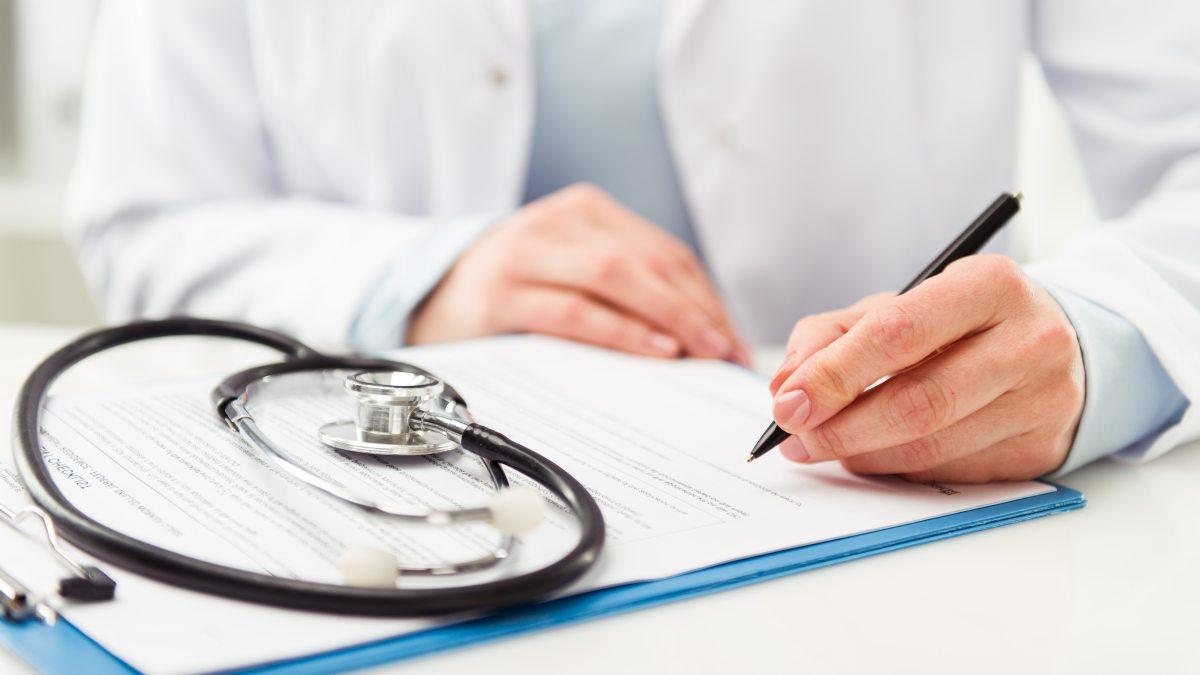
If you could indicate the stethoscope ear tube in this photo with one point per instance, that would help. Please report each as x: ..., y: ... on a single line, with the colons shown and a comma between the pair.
x: 494, y: 446
x: 173, y: 568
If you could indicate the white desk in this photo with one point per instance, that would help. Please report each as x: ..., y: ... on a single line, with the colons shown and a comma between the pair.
x: 1114, y: 588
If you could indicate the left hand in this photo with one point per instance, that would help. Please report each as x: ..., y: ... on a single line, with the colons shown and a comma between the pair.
x: 987, y: 380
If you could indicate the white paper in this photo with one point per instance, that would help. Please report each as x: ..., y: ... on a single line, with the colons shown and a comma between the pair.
x: 661, y: 445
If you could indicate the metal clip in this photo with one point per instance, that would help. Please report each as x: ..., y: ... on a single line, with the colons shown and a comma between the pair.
x: 18, y: 603
x: 85, y: 582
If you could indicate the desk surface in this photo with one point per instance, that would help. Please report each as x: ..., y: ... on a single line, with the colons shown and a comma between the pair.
x: 1112, y: 588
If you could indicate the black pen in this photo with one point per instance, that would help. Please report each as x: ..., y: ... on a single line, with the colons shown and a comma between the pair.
x: 968, y: 243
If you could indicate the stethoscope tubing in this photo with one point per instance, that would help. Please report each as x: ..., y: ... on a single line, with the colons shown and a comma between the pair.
x: 177, y: 569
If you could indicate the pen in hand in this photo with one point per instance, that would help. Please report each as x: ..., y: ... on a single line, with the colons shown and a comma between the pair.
x: 972, y: 239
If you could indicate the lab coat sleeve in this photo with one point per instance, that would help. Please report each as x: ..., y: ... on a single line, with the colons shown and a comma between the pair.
x: 1128, y: 75
x: 383, y: 319
x: 175, y: 207
x: 1130, y: 398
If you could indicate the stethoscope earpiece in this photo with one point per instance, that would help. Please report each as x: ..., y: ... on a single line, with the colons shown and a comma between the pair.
x: 517, y: 510
x: 369, y: 567
x: 514, y: 510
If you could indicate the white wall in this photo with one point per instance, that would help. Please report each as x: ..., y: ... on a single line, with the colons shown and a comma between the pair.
x: 39, y: 281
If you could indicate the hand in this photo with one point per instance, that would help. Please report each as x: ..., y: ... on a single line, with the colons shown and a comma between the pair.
x: 578, y: 265
x: 987, y: 380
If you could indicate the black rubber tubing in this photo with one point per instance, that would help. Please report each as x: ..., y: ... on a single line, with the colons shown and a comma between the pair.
x: 176, y: 569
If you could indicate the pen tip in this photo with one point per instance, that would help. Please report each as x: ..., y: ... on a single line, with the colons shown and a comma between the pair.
x: 1017, y: 195
x: 750, y: 458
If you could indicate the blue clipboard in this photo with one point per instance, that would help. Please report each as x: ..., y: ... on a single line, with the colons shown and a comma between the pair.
x: 63, y: 648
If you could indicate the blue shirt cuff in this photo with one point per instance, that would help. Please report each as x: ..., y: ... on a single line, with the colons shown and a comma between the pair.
x: 1129, y: 397
x: 382, y: 320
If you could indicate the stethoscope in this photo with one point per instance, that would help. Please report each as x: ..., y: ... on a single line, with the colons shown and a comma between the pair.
x: 400, y: 410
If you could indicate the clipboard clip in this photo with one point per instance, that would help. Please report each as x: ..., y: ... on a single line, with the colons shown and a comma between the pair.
x: 18, y: 603
x: 83, y: 582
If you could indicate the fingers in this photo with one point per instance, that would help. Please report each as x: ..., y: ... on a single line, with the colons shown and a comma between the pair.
x: 982, y: 429
x: 629, y: 286
x: 889, y: 338
x: 683, y: 270
x: 575, y: 316
x: 690, y: 277
x: 1020, y: 457
x: 917, y: 403
x: 673, y: 261
x: 818, y: 330
x: 813, y: 333
x: 789, y: 364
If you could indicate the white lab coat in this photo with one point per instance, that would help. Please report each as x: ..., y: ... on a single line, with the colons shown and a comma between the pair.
x: 270, y: 160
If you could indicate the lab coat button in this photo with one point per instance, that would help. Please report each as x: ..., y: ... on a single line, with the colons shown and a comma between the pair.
x: 726, y: 137
x: 498, y: 77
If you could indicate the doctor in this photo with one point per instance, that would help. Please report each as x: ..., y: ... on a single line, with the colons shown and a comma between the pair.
x: 655, y: 176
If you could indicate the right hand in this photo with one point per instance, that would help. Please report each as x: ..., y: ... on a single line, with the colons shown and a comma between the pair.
x: 578, y: 265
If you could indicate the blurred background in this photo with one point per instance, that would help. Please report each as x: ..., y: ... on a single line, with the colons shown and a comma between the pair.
x: 43, y: 55
x: 43, y: 52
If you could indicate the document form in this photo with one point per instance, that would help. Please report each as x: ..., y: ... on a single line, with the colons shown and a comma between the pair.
x: 660, y: 444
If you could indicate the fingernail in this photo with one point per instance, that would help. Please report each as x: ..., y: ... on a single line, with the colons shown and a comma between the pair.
x: 789, y: 363
x: 792, y: 408
x: 663, y: 344
x: 716, y: 343
x: 793, y: 448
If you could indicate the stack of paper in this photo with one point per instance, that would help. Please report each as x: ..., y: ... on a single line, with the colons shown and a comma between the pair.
x: 660, y: 444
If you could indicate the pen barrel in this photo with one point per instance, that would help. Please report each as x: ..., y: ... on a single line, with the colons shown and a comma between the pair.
x: 972, y: 239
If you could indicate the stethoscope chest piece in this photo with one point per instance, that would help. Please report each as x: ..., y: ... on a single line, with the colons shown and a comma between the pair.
x: 384, y: 423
